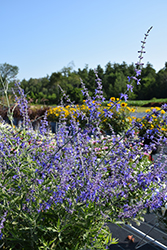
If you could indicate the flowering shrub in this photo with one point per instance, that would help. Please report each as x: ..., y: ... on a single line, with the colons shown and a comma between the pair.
x: 120, y: 120
x: 152, y: 128
x: 54, y: 114
x: 58, y: 192
x: 45, y: 194
x: 154, y: 122
x: 69, y: 112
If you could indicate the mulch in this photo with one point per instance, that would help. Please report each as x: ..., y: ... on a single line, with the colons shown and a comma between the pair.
x: 153, y: 104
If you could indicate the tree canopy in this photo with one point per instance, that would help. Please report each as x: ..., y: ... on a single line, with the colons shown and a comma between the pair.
x: 8, y: 72
x: 114, y: 78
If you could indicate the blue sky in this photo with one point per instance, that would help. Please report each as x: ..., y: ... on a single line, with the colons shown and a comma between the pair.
x: 43, y: 36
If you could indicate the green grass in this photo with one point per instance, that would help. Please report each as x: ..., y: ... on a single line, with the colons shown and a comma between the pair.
x: 142, y: 102
x: 137, y: 104
x: 140, y: 109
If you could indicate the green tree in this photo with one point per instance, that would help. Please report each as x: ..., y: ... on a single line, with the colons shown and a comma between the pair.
x: 83, y: 75
x: 8, y: 72
x: 100, y: 72
x: 119, y: 84
x: 54, y: 81
x: 91, y: 80
x: 52, y: 98
x: 76, y: 95
x: 146, y: 89
x: 161, y: 83
x: 108, y: 84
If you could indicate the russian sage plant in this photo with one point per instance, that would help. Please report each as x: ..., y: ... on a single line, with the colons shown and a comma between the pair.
x: 60, y: 191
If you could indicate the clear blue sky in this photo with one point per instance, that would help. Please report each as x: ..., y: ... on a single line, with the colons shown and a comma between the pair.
x: 43, y: 36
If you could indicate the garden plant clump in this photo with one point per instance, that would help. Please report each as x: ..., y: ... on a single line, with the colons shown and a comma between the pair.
x: 120, y: 120
x: 60, y: 191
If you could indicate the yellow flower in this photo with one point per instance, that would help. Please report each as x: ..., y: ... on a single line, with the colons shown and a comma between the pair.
x: 123, y: 104
x: 163, y: 129
x: 152, y: 126
x: 132, y: 110
x: 148, y: 110
x: 130, y: 119
x: 112, y: 99
x: 162, y: 112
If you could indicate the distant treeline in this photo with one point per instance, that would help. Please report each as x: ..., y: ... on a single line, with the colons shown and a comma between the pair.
x: 114, y: 78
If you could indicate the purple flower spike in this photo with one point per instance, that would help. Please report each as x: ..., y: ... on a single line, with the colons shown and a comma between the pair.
x: 125, y: 96
x: 117, y: 106
x: 40, y: 181
x: 138, y: 63
x: 129, y: 87
x: 164, y: 107
x: 138, y: 72
x: 129, y: 78
x: 140, y: 51
x: 134, y: 78
x: 138, y: 81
